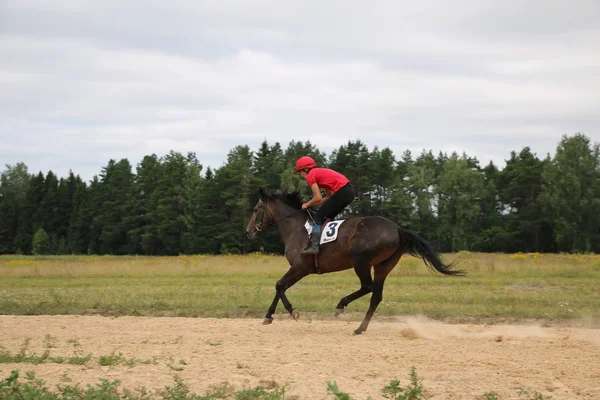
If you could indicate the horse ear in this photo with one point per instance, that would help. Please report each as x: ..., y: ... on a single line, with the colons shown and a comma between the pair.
x: 262, y: 193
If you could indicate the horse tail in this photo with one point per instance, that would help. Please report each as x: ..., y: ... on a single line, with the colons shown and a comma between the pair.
x: 419, y: 247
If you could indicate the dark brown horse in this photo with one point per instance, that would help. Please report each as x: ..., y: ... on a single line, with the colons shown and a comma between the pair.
x: 362, y: 243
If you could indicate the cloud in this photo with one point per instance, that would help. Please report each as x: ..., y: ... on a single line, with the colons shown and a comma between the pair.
x: 86, y: 82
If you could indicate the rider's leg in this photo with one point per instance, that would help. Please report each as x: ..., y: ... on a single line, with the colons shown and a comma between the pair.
x: 313, y: 245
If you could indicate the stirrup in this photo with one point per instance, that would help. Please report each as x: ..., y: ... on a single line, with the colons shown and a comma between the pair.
x: 310, y: 250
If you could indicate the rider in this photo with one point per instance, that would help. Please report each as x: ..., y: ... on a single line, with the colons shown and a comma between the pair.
x: 339, y: 192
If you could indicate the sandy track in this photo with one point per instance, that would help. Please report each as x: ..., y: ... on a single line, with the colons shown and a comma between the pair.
x: 455, y: 361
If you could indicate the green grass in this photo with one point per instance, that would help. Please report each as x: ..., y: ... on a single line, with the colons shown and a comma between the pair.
x: 520, y: 286
x: 24, y: 356
x: 30, y: 388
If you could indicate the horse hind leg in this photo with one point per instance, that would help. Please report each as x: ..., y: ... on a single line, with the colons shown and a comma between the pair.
x: 363, y: 271
x: 381, y: 272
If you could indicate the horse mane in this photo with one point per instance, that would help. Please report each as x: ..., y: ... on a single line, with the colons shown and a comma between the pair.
x: 291, y: 199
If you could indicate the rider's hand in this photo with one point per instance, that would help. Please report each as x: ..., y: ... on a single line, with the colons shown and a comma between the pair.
x: 304, y: 206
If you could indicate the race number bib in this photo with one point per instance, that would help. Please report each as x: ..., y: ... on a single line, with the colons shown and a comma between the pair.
x: 330, y: 231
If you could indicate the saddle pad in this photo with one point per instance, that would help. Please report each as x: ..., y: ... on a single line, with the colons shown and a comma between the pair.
x: 329, y: 231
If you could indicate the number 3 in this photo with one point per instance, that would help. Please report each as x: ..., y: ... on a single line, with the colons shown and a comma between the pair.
x: 331, y: 230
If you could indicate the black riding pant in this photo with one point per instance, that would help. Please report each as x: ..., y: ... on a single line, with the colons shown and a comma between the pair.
x: 335, y: 204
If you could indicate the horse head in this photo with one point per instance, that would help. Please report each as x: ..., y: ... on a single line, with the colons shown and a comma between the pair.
x: 261, y: 216
x: 271, y: 208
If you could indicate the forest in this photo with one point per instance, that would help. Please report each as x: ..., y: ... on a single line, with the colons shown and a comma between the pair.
x: 172, y: 204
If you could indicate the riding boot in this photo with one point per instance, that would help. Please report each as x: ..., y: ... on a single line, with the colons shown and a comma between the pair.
x: 313, y: 246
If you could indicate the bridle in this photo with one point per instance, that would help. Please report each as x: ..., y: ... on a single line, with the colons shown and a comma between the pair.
x: 258, y: 225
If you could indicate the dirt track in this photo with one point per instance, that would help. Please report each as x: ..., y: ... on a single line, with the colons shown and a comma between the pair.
x: 455, y: 361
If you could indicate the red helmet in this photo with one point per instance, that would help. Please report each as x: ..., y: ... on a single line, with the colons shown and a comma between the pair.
x: 305, y: 162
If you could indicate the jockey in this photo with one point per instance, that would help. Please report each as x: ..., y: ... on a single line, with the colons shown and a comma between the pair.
x: 339, y: 192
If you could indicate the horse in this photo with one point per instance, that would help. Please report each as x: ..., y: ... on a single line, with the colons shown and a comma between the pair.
x: 362, y: 243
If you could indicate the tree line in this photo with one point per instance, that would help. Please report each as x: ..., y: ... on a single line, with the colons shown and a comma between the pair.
x: 171, y: 205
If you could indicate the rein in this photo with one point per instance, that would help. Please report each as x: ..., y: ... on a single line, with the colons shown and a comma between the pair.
x: 286, y: 216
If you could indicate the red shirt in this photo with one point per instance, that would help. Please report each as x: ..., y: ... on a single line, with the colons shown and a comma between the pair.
x: 326, y: 178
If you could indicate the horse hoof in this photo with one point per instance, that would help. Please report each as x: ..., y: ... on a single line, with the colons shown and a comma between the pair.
x: 295, y: 314
x: 267, y: 321
x: 339, y: 311
x: 358, y: 331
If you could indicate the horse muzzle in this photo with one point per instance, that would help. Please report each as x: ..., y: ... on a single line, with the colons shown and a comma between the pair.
x: 252, y: 233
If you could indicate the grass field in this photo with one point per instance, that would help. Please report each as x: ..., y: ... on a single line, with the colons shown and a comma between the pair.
x: 512, y: 287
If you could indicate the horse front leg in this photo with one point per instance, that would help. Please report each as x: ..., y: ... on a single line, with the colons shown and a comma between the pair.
x: 288, y: 280
x: 269, y: 317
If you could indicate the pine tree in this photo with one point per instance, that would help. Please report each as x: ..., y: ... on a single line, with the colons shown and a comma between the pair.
x: 422, y: 179
x: 143, y: 205
x: 459, y: 190
x: 116, y: 187
x: 235, y: 184
x: 79, y: 221
x: 14, y: 183
x: 174, y: 200
x: 520, y: 185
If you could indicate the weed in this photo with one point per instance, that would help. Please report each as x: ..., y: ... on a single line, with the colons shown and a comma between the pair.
x: 31, y: 388
x: 490, y: 396
x: 393, y: 390
x: 104, y: 390
x: 333, y: 389
x: 12, y: 389
x: 532, y: 396
x: 24, y: 347
x: 5, y: 356
x: 79, y: 360
x: 132, y: 362
x: 261, y: 393
x: 22, y: 356
x: 74, y: 342
x: 179, y: 391
x: 111, y: 360
x: 218, y: 392
x: 414, y: 391
x: 171, y: 364
x: 50, y: 342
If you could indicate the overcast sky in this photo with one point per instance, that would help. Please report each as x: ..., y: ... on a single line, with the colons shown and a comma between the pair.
x: 83, y: 82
